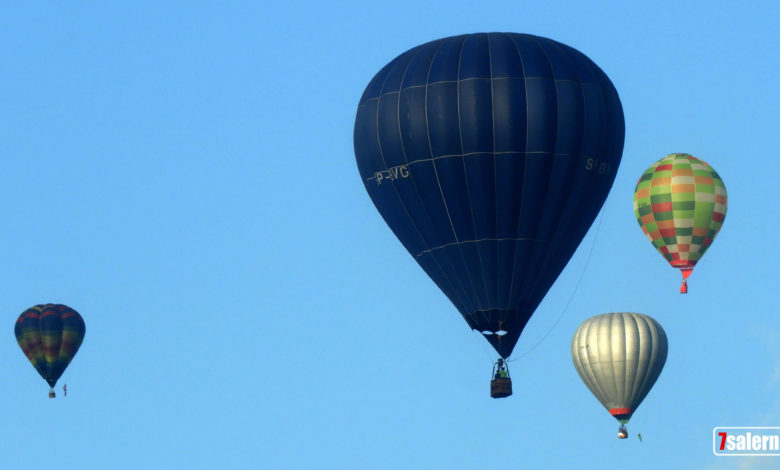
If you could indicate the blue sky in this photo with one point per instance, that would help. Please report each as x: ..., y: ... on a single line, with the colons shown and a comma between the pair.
x: 183, y: 175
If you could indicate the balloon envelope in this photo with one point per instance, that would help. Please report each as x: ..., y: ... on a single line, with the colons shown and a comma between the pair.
x: 619, y: 356
x: 49, y: 336
x: 680, y: 203
x: 489, y: 156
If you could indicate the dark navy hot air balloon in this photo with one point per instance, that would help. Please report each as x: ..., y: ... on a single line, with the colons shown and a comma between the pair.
x: 489, y: 156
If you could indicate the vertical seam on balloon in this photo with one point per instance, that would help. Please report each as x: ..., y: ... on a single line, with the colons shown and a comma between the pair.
x: 583, y: 335
x: 49, y: 368
x: 37, y: 358
x: 583, y: 366
x: 629, y: 381
x: 62, y: 358
x: 430, y: 146
x: 623, y: 382
x: 605, y: 357
x: 495, y: 294
x: 719, y: 225
x: 44, y: 362
x: 54, y: 369
x: 709, y: 222
x: 381, y: 150
x: 468, y: 194
x: 650, y: 373
x: 612, y: 351
x: 651, y: 214
x: 712, y: 225
x: 554, y: 240
x: 605, y: 87
x: 68, y: 354
x: 632, y: 390
x: 593, y: 336
x: 559, y: 226
x: 671, y: 247
x: 540, y: 274
x: 472, y: 301
x: 641, y: 388
x: 684, y: 256
x: 379, y: 102
x: 671, y: 200
x: 414, y: 183
x: 441, y: 191
x: 525, y: 173
x: 595, y: 324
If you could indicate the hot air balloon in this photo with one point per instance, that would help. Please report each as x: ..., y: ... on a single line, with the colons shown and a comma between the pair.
x: 619, y: 356
x: 49, y: 336
x: 489, y: 156
x: 680, y: 202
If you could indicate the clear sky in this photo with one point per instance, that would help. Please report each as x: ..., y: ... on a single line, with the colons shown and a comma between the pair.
x: 182, y: 174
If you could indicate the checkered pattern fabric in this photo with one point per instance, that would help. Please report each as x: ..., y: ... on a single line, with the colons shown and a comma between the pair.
x: 680, y: 202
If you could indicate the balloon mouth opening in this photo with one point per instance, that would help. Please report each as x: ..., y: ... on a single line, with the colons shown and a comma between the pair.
x: 621, y: 414
x: 497, y: 333
x: 682, y: 264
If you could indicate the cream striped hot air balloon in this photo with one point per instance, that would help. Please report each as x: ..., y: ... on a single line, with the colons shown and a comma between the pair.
x: 619, y: 356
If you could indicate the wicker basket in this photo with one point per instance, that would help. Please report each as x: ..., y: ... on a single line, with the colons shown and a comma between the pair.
x: 501, y: 387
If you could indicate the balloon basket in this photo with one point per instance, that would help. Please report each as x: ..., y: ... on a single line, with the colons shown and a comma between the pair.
x: 501, y: 387
x: 51, y: 393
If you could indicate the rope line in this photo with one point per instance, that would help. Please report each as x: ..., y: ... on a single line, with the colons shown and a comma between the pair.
x: 571, y: 297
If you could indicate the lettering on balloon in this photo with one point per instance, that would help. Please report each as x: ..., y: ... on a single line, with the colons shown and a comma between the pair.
x: 392, y: 174
x: 594, y: 164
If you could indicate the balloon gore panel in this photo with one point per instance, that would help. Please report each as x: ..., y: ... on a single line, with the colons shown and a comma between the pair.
x: 50, y: 335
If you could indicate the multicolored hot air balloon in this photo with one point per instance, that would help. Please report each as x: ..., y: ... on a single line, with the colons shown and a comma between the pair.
x: 489, y: 156
x: 680, y: 202
x: 50, y: 335
x: 619, y: 356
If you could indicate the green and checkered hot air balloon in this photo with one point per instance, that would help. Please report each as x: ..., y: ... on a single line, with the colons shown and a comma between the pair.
x: 680, y: 202
x: 49, y: 336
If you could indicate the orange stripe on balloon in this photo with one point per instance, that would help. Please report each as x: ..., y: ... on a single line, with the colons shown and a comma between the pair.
x: 683, y: 188
x: 642, y: 193
x: 662, y: 207
x: 682, y: 172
